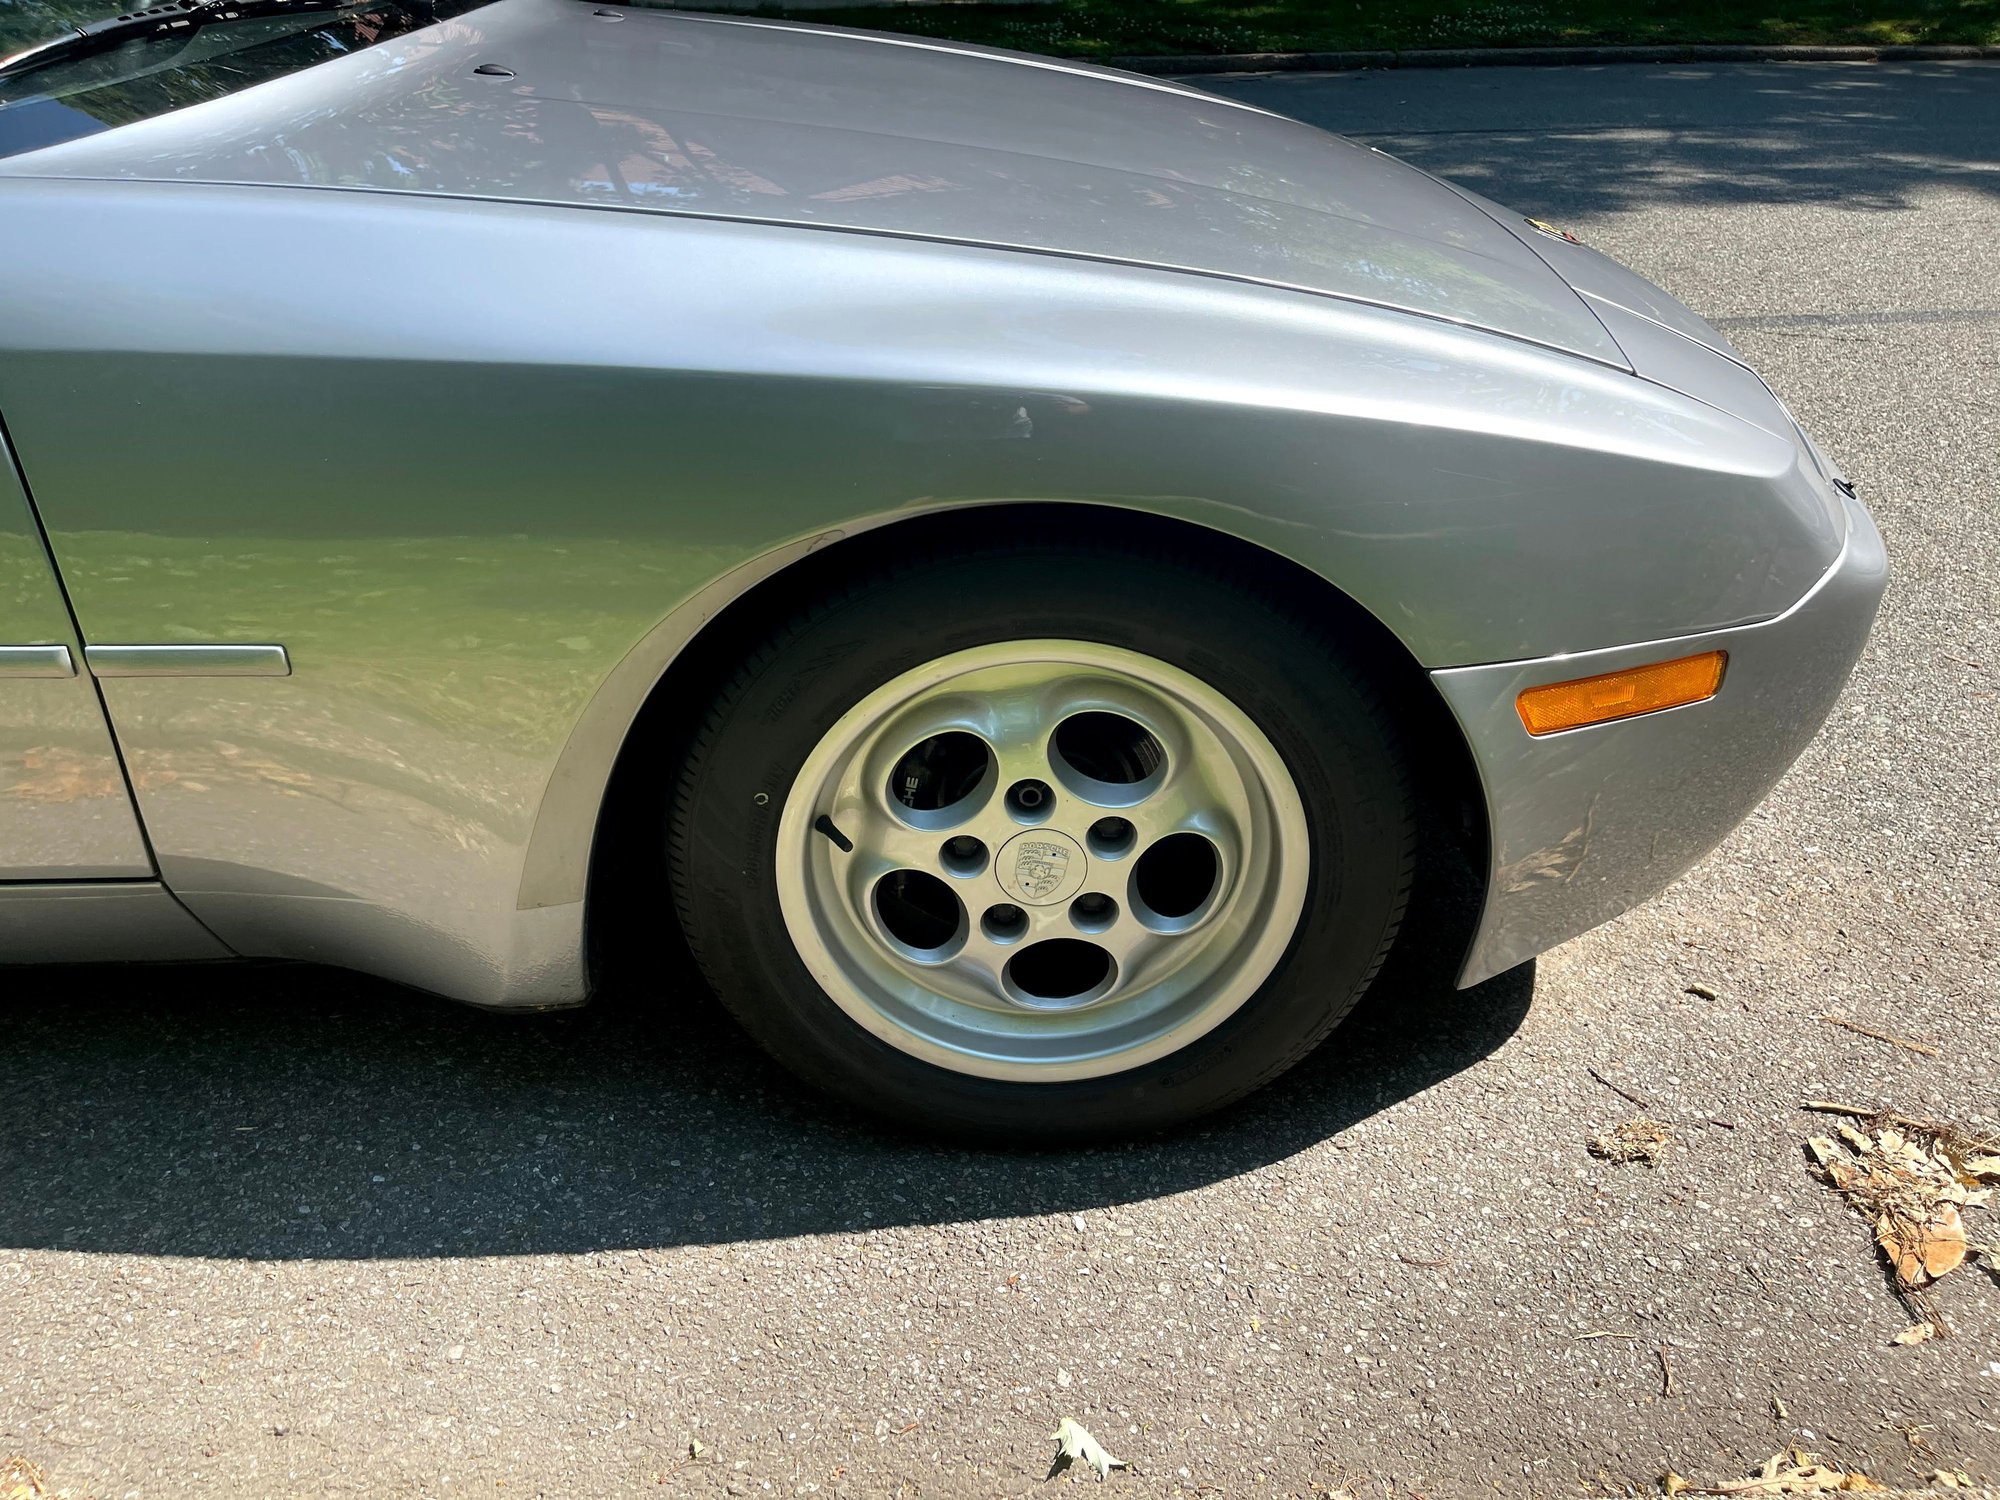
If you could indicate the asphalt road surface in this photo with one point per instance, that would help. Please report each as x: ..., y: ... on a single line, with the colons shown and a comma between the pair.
x: 267, y: 1232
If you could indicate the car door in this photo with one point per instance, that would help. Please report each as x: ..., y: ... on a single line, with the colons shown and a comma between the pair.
x: 65, y: 810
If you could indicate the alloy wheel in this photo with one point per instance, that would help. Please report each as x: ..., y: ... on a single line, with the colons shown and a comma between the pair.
x: 1042, y: 860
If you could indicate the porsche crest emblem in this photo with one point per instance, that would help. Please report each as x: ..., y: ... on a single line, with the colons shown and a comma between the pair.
x: 1040, y: 868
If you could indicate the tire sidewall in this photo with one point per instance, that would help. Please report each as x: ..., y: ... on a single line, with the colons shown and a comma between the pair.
x: 1292, y: 680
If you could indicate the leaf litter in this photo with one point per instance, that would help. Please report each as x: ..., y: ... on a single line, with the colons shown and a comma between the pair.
x: 1912, y: 1179
x: 1791, y: 1472
x: 1074, y: 1444
x: 23, y: 1479
x: 1640, y: 1140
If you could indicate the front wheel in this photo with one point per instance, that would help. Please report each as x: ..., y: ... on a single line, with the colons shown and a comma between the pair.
x: 1033, y: 844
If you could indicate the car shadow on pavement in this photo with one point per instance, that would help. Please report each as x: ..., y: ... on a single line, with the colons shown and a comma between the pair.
x: 280, y: 1112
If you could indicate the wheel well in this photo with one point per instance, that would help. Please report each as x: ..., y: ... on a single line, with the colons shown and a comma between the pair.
x: 628, y: 855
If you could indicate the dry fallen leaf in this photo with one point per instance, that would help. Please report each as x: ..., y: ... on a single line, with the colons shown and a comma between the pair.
x: 1076, y: 1445
x: 1911, y: 1179
x: 22, y: 1480
x: 1922, y: 1251
x: 1796, y: 1473
x: 1635, y: 1140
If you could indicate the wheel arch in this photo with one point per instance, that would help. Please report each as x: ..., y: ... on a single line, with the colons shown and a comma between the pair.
x: 601, y: 818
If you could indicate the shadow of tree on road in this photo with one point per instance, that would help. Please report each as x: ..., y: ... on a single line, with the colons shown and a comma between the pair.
x: 1582, y: 141
x: 274, y: 1112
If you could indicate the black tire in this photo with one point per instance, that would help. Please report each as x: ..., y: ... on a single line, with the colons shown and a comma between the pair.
x: 1291, y: 674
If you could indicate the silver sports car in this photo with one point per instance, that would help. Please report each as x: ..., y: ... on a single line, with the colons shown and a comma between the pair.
x: 1019, y: 569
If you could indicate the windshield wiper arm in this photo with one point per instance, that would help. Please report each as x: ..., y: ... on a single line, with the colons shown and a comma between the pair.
x: 175, y: 18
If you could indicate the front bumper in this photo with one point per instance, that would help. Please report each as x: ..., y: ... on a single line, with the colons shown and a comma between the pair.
x: 1589, y: 823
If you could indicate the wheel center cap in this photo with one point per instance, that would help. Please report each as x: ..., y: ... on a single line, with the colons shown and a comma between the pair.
x: 1041, y: 867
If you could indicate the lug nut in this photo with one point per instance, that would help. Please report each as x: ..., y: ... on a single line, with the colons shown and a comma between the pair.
x: 1030, y: 801
x: 1093, y: 912
x: 1111, y: 838
x: 1003, y: 923
x: 962, y: 855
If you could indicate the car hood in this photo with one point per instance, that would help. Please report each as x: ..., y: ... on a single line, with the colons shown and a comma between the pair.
x: 1661, y: 338
x: 741, y: 118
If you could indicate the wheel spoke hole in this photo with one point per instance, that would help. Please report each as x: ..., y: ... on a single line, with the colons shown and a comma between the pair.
x: 1059, y: 971
x: 1174, y: 879
x: 1030, y: 801
x: 1092, y: 912
x: 1109, y: 748
x: 963, y: 856
x: 1004, y: 923
x: 1111, y: 838
x: 938, y: 778
x: 919, y: 911
x: 1107, y: 759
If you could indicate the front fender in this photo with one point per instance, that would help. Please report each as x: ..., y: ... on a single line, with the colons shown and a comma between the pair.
x: 482, y: 485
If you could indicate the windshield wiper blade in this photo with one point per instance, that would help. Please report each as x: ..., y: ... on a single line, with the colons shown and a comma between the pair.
x: 174, y: 18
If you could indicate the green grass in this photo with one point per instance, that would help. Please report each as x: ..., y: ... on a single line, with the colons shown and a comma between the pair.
x: 1111, y: 28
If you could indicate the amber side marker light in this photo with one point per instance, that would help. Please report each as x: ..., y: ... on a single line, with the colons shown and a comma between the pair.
x: 1621, y: 695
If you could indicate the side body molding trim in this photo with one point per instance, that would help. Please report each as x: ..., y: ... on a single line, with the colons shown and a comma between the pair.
x: 188, y: 661
x: 36, y: 661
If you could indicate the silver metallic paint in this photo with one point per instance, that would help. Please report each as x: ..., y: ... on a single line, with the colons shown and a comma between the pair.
x: 105, y: 921
x: 488, y: 466
x: 679, y: 113
x: 1683, y: 364
x: 65, y: 813
x: 1588, y: 823
x: 726, y: 367
x: 1600, y: 279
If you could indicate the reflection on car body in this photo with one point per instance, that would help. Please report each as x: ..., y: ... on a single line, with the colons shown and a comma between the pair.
x: 543, y: 380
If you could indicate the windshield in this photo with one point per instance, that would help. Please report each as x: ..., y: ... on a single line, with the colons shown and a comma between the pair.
x: 141, y: 76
